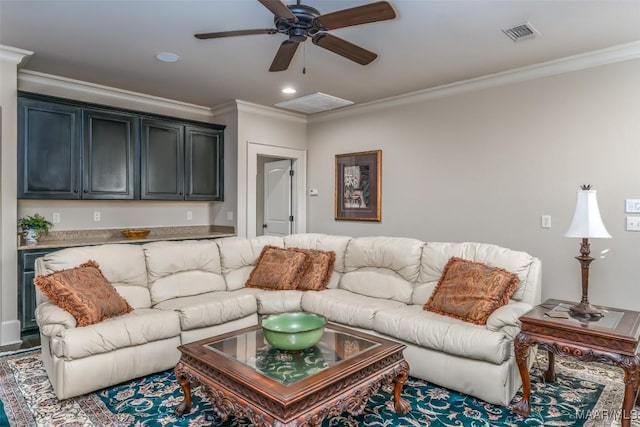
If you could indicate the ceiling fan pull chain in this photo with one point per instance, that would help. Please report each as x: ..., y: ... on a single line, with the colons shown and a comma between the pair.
x: 304, y: 58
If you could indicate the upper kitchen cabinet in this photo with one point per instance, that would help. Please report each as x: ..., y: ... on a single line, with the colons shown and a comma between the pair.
x: 204, y: 163
x: 108, y: 156
x: 48, y: 150
x: 181, y: 162
x: 73, y: 150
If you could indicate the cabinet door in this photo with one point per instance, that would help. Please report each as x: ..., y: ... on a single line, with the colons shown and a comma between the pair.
x: 27, y: 290
x: 203, y: 163
x: 109, y: 143
x: 162, y: 161
x: 48, y: 150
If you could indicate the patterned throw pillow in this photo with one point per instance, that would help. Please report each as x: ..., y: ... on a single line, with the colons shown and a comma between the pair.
x: 278, y: 269
x: 318, y: 275
x: 84, y: 292
x: 471, y: 291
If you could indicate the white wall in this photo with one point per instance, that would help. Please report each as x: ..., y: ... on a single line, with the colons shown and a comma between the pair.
x: 274, y: 130
x: 484, y: 165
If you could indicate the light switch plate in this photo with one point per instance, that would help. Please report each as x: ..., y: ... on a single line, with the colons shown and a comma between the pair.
x: 632, y: 206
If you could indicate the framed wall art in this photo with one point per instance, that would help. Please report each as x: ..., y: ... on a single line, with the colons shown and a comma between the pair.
x: 358, y: 186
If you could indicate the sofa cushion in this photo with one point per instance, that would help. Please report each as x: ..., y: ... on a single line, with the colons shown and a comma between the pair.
x: 123, y: 265
x: 471, y: 291
x: 445, y: 334
x: 323, y: 242
x: 320, y: 269
x: 345, y: 307
x: 279, y: 269
x: 84, y: 292
x: 138, y: 327
x: 184, y: 268
x: 238, y: 255
x: 435, y: 256
x: 270, y: 302
x: 379, y: 283
x: 210, y: 309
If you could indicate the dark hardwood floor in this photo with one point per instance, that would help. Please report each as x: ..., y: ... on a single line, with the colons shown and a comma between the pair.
x: 27, y: 342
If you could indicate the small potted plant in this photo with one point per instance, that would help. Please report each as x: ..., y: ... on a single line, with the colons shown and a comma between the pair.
x: 32, y: 226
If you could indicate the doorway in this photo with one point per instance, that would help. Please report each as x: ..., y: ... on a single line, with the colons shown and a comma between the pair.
x: 274, y: 196
x: 298, y: 162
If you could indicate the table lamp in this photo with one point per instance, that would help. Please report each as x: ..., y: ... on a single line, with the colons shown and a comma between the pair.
x: 586, y: 224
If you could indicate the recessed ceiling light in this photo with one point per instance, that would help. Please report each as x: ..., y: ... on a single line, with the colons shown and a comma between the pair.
x: 288, y: 90
x: 167, y: 57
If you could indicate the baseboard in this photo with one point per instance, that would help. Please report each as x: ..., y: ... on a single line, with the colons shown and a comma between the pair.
x: 10, y: 333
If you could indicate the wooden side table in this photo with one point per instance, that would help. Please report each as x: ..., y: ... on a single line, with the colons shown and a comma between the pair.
x: 612, y: 338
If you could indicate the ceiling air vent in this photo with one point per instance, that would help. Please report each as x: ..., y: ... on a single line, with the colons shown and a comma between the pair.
x: 524, y: 31
x: 314, y: 103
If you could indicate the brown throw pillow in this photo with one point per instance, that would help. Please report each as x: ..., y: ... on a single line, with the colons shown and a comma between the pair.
x: 278, y: 269
x: 318, y: 275
x: 471, y: 291
x: 84, y: 292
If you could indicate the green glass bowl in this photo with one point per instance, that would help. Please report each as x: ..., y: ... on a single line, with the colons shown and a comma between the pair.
x: 293, y: 331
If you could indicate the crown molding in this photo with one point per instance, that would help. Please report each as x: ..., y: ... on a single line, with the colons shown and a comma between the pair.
x: 249, y: 107
x: 583, y: 61
x: 18, y: 56
x: 118, y: 96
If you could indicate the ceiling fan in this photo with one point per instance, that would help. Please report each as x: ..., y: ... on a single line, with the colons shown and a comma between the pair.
x: 300, y: 21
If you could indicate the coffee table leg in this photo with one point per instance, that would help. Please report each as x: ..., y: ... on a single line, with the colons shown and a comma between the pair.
x: 550, y: 375
x: 521, y: 347
x: 399, y: 404
x: 185, y: 406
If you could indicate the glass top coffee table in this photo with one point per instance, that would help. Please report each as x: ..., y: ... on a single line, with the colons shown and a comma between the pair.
x: 246, y: 377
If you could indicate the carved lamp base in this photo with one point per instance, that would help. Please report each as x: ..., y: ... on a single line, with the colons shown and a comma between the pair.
x: 584, y: 309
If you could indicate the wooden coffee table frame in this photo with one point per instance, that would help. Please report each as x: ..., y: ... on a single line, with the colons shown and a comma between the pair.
x: 237, y: 389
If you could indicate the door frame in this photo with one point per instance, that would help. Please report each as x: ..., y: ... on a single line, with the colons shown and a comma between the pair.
x: 298, y: 195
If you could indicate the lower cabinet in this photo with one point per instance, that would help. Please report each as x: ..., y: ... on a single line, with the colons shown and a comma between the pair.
x: 27, y: 290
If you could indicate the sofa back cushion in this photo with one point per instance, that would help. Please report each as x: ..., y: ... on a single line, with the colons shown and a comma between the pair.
x: 382, y: 267
x: 323, y: 242
x: 123, y: 265
x: 183, y: 268
x: 238, y: 256
x: 436, y: 255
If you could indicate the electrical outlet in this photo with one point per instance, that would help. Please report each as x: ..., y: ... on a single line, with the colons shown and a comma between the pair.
x: 189, y: 215
x: 96, y: 216
x: 633, y: 223
x: 230, y: 216
x: 56, y: 218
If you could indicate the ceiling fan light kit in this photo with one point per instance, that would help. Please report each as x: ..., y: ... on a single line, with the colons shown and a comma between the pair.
x: 299, y: 22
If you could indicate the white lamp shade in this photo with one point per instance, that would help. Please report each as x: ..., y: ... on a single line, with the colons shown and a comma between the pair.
x: 587, y: 222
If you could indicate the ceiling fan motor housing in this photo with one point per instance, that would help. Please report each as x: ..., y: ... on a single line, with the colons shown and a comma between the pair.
x: 305, y: 26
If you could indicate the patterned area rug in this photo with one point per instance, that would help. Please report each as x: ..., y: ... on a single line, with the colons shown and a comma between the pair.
x: 584, y: 395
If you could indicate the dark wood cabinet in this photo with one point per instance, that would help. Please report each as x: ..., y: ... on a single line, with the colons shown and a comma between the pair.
x: 181, y: 162
x: 109, y: 152
x: 162, y: 160
x: 27, y: 290
x: 204, y: 163
x: 48, y: 150
x: 73, y: 150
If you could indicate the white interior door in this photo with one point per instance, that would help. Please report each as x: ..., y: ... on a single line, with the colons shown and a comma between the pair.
x: 277, y: 198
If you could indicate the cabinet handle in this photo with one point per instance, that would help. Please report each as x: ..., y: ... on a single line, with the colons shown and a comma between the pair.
x: 86, y: 191
x: 75, y: 190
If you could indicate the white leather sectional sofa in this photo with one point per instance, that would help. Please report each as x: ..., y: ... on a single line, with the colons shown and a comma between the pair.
x: 189, y: 290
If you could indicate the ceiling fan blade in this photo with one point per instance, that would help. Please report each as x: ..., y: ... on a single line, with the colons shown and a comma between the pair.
x: 373, y: 12
x: 204, y: 36
x: 279, y: 9
x: 344, y: 48
x: 284, y: 56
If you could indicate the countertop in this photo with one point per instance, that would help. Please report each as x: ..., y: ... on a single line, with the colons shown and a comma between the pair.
x: 70, y: 238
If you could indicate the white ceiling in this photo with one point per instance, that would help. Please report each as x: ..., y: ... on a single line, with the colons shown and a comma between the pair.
x: 430, y: 43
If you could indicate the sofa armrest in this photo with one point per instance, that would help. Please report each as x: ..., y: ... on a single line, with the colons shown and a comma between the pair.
x: 505, y: 318
x: 52, y: 320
